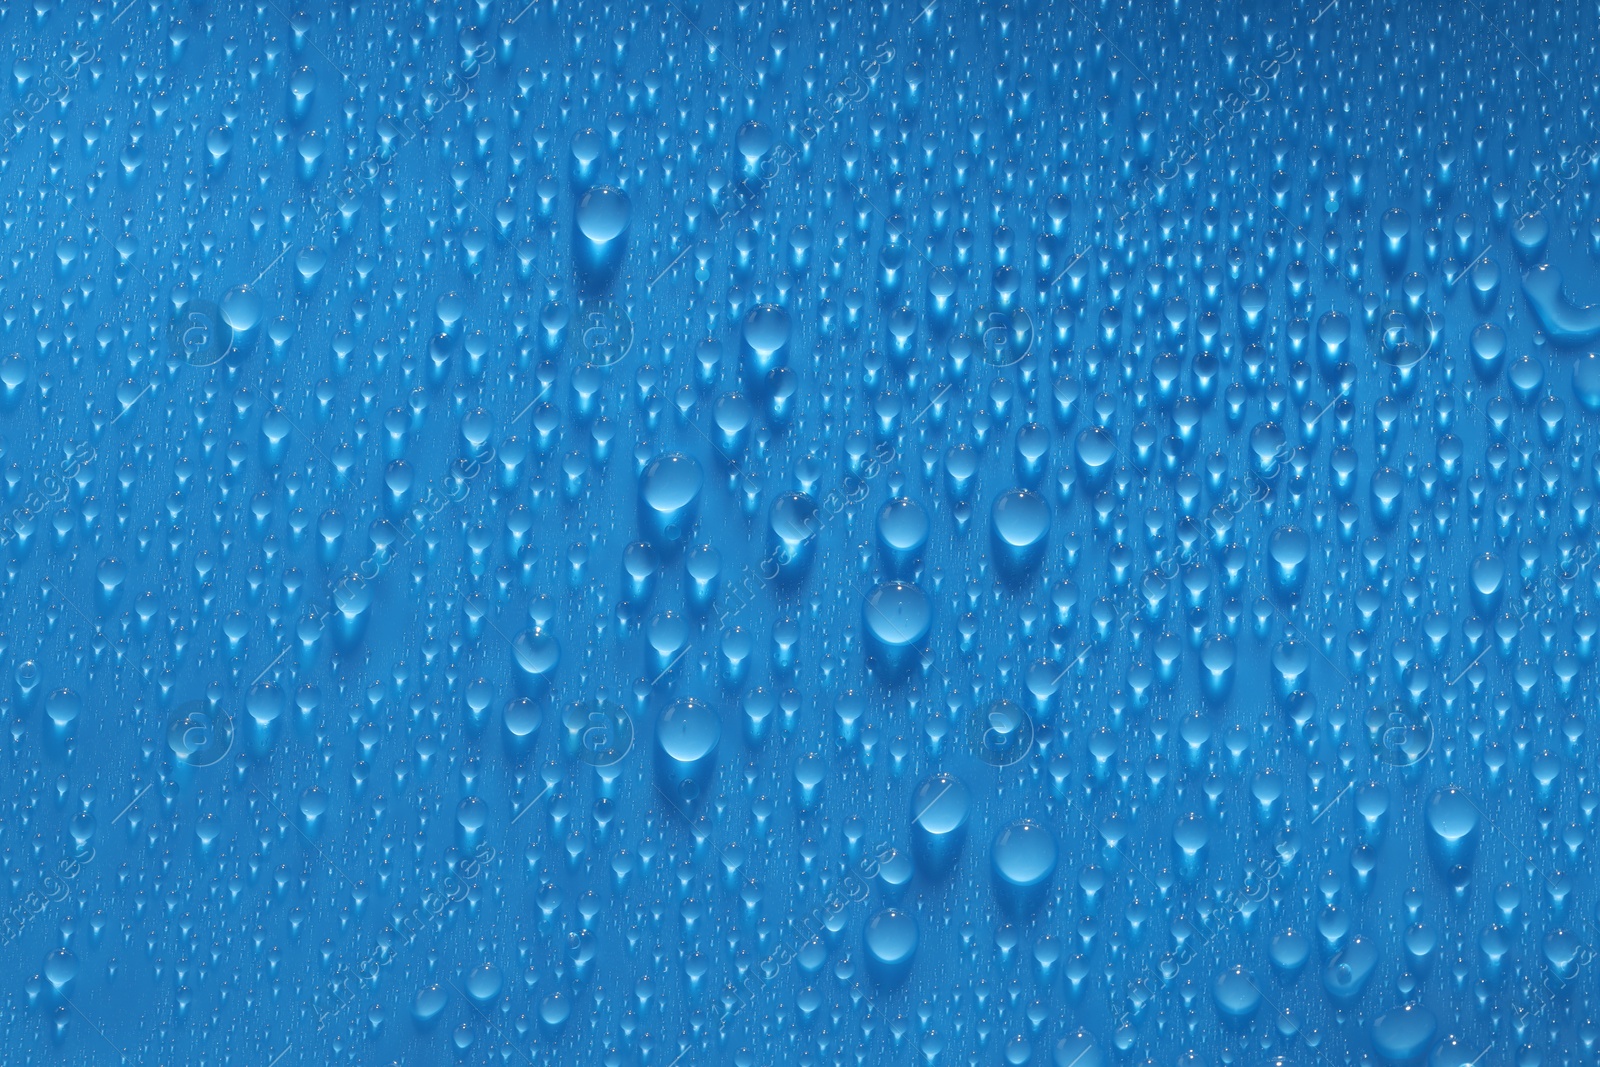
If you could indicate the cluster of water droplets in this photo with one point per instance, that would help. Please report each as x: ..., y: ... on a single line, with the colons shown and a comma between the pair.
x: 1039, y: 533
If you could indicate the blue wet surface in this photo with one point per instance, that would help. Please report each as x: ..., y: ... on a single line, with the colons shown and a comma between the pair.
x: 791, y: 534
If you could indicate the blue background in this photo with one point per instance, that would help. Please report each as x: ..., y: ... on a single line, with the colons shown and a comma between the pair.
x: 1180, y: 648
